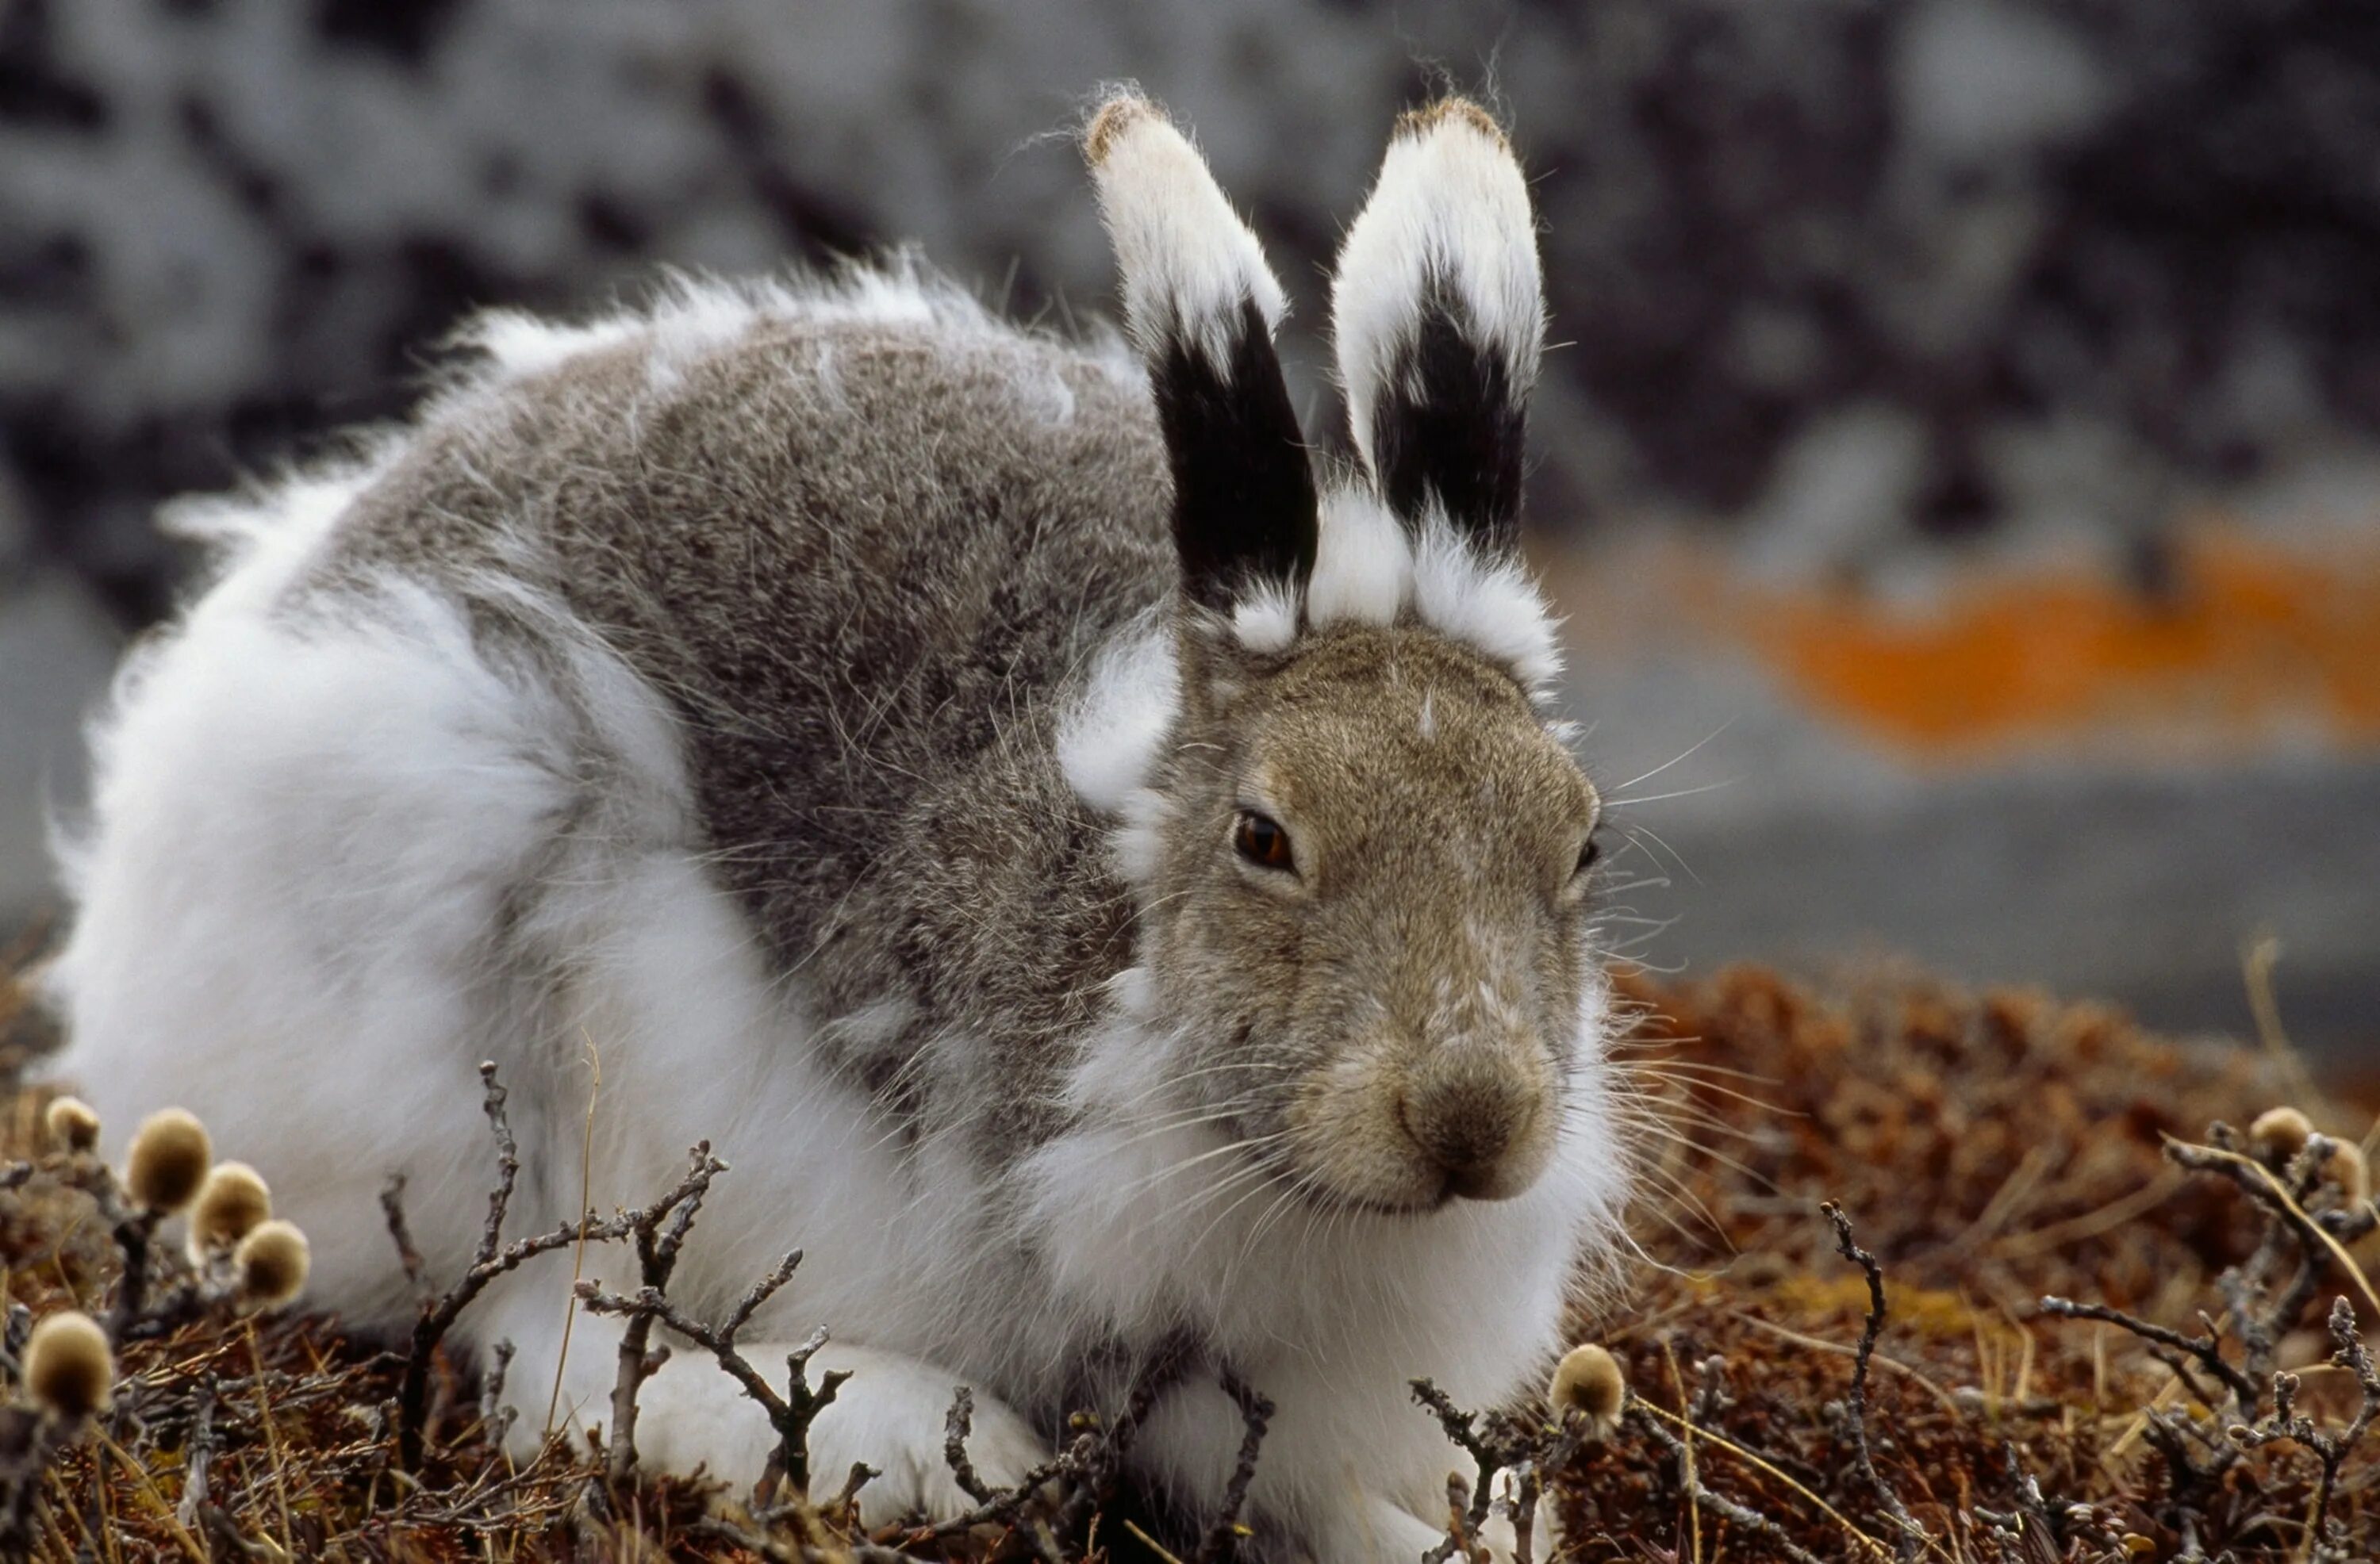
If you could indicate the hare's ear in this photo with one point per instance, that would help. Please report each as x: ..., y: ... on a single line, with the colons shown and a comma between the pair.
x: 1438, y: 312
x: 1201, y: 307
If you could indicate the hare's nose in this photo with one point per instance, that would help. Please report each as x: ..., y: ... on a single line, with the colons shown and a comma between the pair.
x: 1474, y: 1119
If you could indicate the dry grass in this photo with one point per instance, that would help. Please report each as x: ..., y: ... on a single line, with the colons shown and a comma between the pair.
x: 1989, y: 1149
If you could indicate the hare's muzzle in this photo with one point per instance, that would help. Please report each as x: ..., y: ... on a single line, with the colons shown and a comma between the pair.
x: 1481, y: 1118
x: 1400, y: 1122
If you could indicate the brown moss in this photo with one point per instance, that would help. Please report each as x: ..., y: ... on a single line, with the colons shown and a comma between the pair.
x: 1992, y: 1148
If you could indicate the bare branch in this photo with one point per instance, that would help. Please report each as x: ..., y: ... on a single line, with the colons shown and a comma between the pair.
x: 493, y: 1257
x: 2289, y: 1424
x: 957, y: 1424
x: 2205, y: 1350
x: 1486, y: 1459
x: 1717, y: 1504
x: 409, y: 1254
x: 657, y: 1251
x: 789, y: 1414
x: 1912, y: 1533
x: 491, y: 1102
x: 1222, y: 1539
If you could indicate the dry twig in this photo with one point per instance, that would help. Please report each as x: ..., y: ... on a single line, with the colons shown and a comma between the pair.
x: 1222, y: 1539
x: 790, y: 1412
x: 1912, y: 1533
x: 1719, y: 1504
x: 2329, y: 1448
x: 494, y: 1258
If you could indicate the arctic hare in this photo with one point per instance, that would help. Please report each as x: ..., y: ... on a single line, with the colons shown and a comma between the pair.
x: 1103, y: 879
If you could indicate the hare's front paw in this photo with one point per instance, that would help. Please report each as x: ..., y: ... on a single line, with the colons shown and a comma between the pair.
x: 890, y: 1414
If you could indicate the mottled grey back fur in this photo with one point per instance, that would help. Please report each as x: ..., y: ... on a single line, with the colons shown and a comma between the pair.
x: 863, y: 558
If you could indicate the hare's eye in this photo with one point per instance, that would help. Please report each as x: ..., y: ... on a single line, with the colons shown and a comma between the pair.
x: 1260, y: 840
x: 1590, y: 851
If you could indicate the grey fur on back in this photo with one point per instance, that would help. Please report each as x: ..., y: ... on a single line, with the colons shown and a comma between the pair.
x: 862, y: 553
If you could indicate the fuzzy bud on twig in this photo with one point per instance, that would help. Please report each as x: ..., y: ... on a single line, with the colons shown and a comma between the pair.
x: 231, y: 1203
x: 1588, y: 1380
x: 73, y: 1123
x: 2279, y: 1135
x: 2353, y: 1173
x: 68, y: 1365
x: 168, y: 1160
x: 2280, y: 1132
x: 273, y: 1262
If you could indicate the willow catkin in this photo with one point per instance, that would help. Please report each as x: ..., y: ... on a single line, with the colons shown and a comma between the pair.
x: 70, y: 1368
x: 2347, y: 1165
x: 1588, y: 1380
x: 272, y: 1263
x: 72, y: 1122
x: 167, y: 1161
x: 2280, y: 1132
x: 231, y: 1203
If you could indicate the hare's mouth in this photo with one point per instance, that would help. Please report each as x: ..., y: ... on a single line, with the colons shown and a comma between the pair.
x: 1412, y: 1192
x: 1395, y: 1205
x: 1315, y: 1184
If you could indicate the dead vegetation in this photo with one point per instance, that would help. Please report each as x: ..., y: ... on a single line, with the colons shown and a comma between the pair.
x: 2049, y: 1315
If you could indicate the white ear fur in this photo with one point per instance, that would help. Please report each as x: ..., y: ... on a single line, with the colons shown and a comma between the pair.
x: 1265, y: 620
x: 1487, y: 603
x: 1363, y: 561
x: 1450, y: 208
x: 1186, y: 260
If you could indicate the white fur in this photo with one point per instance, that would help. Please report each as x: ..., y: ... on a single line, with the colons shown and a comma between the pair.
x: 691, y: 317
x: 520, y: 345
x: 293, y: 512
x: 1111, y: 741
x: 1108, y: 742
x: 1369, y: 570
x: 890, y: 1414
x: 1450, y: 202
x: 1135, y: 846
x: 1363, y: 561
x: 1187, y: 260
x: 1266, y: 620
x: 1490, y: 604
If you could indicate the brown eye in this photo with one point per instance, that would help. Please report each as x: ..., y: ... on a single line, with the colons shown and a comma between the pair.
x: 1260, y: 840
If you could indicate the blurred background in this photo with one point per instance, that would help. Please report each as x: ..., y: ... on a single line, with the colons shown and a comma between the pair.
x: 1961, y: 463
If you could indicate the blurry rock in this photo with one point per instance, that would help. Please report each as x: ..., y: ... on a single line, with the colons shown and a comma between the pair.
x: 56, y: 649
x: 1978, y: 81
x: 232, y: 228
